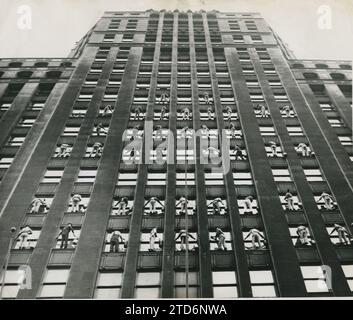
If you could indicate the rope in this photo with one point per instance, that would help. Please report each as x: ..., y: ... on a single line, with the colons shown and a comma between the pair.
x: 186, y: 226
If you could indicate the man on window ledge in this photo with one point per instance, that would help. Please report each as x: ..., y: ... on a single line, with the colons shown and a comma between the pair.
x: 65, y: 233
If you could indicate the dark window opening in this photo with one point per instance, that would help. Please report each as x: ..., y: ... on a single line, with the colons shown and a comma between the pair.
x: 41, y: 64
x: 15, y: 64
x: 24, y: 74
x: 310, y: 75
x: 53, y: 74
x: 337, y: 76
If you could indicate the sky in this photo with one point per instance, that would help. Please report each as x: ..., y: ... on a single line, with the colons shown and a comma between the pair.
x: 313, y: 29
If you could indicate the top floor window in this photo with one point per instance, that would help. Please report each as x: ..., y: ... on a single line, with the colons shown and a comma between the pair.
x: 321, y: 65
x: 337, y: 76
x: 310, y: 75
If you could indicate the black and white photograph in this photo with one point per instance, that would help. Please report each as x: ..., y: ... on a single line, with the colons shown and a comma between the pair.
x: 181, y: 150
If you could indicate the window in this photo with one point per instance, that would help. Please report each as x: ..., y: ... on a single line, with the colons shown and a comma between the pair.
x: 128, y: 37
x: 348, y: 272
x: 274, y: 151
x: 192, y: 242
x: 336, y: 123
x: 238, y: 39
x: 248, y: 70
x: 96, y: 70
x: 275, y: 83
x: 243, y: 207
x: 71, y: 131
x: 145, y: 240
x: 233, y: 116
x: 328, y: 204
x: 337, y: 76
x: 190, y: 178
x: 296, y: 202
x: 252, y: 83
x: 256, y: 97
x: 314, y: 279
x: 214, y: 178
x: 235, y: 133
x: 127, y: 179
x: 56, y: 276
x: 85, y: 97
x: 26, y: 123
x: 190, y: 208
x: 248, y: 240
x: 122, y: 247
x: 28, y: 243
x: 318, y: 90
x: 270, y: 70
x: 15, y: 64
x: 242, y: 178
x: 109, y: 38
x: 115, y: 210
x: 310, y: 75
x: 180, y: 281
x: 156, y: 179
x: 16, y: 141
x: 62, y: 151
x: 345, y: 66
x: 282, y: 97
x: 72, y: 239
x: 262, y: 283
x: 147, y: 285
x: 13, y: 89
x: 86, y: 176
x: 54, y: 283
x: 227, y: 242
x: 77, y: 113
x: 321, y: 65
x: 313, y: 175
x: 256, y: 39
x: 295, y: 237
x: 281, y: 175
x: 66, y: 64
x: 37, y: 106
x: 183, y: 155
x: 53, y: 176
x: 234, y: 25
x: 156, y: 207
x: 267, y: 131
x: 108, y: 285
x: 5, y: 162
x: 327, y: 107
x: 345, y: 140
x: 52, y: 291
x: 53, y: 74
x: 24, y: 74
x: 41, y: 64
x: 11, y: 283
x: 224, y: 284
x: 250, y: 25
x: 5, y: 106
x: 295, y: 131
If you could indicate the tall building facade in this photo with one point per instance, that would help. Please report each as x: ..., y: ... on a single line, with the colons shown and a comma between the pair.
x: 165, y: 131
